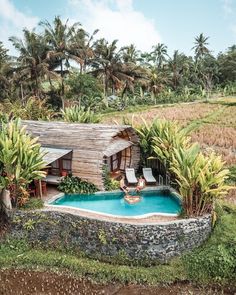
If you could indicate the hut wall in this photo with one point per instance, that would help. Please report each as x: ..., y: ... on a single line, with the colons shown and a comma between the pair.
x: 88, y: 142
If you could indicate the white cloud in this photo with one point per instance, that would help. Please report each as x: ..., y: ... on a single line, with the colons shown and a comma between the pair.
x: 116, y: 19
x: 227, y: 7
x: 12, y: 21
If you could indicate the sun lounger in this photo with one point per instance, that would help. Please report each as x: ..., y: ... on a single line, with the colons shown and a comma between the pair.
x: 130, y: 176
x: 147, y: 174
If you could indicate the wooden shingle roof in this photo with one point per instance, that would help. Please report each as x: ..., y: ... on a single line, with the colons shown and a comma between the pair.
x: 86, y: 137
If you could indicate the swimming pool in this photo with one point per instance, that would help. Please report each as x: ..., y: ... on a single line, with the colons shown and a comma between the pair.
x: 151, y: 202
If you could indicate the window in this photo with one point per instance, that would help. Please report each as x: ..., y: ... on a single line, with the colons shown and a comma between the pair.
x: 114, y: 162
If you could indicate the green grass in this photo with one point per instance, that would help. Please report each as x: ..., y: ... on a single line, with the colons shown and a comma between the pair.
x: 15, y: 254
x: 33, y: 203
x: 216, y: 260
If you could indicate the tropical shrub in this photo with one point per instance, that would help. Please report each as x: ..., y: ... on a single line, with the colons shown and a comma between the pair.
x: 75, y: 185
x: 33, y: 203
x: 200, y: 178
x: 82, y: 87
x: 33, y: 109
x: 109, y: 183
x: 216, y: 260
x: 160, y: 138
x: 232, y: 175
x: 21, y: 161
x: 80, y: 115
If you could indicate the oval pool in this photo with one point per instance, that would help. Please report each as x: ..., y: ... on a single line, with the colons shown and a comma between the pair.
x: 151, y: 202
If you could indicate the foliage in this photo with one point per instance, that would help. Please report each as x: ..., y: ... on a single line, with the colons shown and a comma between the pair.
x: 160, y: 138
x: 216, y: 260
x: 75, y: 185
x: 80, y: 115
x: 33, y: 109
x: 82, y: 85
x: 101, y: 272
x: 232, y: 174
x: 200, y: 178
x: 21, y: 160
x: 33, y: 203
x: 109, y: 183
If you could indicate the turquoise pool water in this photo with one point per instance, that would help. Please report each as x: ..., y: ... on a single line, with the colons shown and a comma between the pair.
x: 114, y: 203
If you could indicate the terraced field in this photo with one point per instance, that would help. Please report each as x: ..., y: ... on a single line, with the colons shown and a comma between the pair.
x: 182, y: 113
x: 212, y: 124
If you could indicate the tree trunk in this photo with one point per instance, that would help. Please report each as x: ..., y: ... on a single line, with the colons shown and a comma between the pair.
x: 6, y: 201
x: 62, y: 87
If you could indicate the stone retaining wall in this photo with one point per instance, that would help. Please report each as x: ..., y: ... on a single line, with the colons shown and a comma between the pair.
x: 103, y: 239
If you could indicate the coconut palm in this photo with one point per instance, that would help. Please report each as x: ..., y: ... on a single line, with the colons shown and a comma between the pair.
x: 108, y: 65
x: 159, y: 54
x: 200, y: 46
x: 178, y: 65
x: 59, y: 37
x: 157, y: 81
x: 82, y: 46
x: 129, y: 54
x: 32, y: 61
x: 6, y: 72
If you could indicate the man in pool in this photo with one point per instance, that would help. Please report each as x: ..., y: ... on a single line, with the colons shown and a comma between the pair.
x: 123, y: 187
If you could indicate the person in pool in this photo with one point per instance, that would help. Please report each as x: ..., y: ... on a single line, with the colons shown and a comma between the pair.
x: 141, y: 184
x: 123, y: 187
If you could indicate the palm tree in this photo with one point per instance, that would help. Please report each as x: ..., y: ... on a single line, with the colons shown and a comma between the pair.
x: 82, y: 46
x: 157, y: 81
x: 107, y: 64
x: 59, y: 36
x: 129, y: 54
x: 159, y: 54
x: 178, y: 66
x: 200, y: 46
x: 5, y: 73
x: 32, y: 62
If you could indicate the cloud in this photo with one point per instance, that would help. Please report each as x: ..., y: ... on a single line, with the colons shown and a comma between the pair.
x: 12, y: 21
x: 227, y: 7
x: 116, y: 19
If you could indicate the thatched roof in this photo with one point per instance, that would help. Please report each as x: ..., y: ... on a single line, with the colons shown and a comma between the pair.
x: 52, y: 154
x: 97, y: 137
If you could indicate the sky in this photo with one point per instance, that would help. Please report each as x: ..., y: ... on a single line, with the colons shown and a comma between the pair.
x: 142, y: 22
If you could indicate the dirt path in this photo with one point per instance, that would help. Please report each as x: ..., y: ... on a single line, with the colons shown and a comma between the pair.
x: 20, y: 282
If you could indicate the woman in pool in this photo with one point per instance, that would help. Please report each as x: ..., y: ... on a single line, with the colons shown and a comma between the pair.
x: 141, y: 184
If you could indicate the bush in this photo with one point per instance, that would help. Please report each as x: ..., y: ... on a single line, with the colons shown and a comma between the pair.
x: 80, y: 115
x: 33, y: 203
x: 109, y: 183
x: 75, y: 185
x: 216, y: 260
x: 33, y: 109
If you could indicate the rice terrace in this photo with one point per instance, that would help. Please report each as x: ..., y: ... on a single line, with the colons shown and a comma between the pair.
x: 117, y: 147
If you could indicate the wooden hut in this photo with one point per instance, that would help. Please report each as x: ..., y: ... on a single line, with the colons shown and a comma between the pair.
x: 84, y: 149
